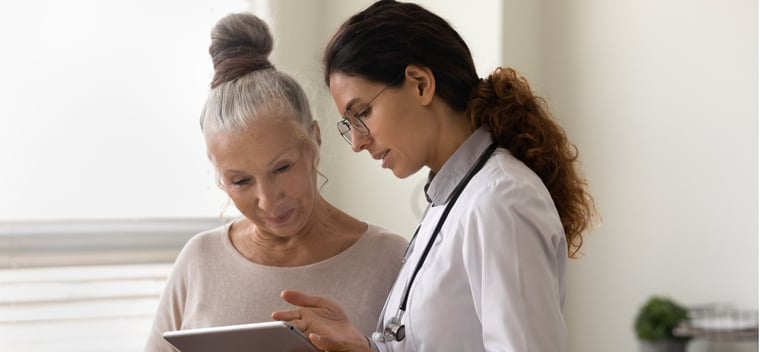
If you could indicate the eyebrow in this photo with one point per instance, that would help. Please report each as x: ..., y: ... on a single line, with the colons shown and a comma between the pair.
x: 350, y: 105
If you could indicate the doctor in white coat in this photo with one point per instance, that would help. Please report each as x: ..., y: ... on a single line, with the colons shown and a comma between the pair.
x: 485, y: 270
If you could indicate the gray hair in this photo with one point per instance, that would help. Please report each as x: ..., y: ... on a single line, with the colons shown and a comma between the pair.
x: 232, y: 105
x: 246, y: 86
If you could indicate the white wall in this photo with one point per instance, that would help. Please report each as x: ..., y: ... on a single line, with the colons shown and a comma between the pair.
x: 100, y: 108
x: 661, y: 99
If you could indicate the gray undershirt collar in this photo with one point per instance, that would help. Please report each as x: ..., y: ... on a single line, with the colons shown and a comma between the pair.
x: 439, y: 186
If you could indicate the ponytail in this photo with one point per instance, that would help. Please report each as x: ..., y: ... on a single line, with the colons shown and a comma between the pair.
x: 504, y: 105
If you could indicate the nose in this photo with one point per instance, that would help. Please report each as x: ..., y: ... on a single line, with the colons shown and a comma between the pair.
x: 359, y: 141
x: 269, y: 196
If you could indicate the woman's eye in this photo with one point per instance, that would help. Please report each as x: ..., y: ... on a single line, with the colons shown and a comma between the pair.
x: 363, y: 113
x: 240, y: 182
x: 282, y: 168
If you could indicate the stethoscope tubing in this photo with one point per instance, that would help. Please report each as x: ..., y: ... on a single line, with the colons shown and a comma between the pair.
x: 396, y: 320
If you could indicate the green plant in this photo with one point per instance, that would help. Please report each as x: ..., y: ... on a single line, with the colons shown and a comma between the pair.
x: 658, y: 317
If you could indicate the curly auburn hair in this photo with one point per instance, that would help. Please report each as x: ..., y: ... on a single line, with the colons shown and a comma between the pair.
x: 518, y: 120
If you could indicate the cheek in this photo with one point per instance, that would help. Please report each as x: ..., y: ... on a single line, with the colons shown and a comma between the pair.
x: 402, y: 131
x: 243, y: 201
x: 299, y: 185
x: 400, y: 120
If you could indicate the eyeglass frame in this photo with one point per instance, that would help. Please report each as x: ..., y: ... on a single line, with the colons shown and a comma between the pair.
x: 361, y: 127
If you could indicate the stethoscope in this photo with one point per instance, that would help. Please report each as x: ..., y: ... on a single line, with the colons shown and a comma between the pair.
x: 393, y: 329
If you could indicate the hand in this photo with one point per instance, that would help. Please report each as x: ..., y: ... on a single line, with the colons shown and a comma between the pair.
x: 323, y: 321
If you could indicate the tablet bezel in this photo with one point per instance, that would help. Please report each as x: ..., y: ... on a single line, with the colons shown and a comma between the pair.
x: 273, y: 336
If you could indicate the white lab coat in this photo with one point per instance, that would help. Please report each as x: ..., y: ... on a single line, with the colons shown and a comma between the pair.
x: 494, y: 279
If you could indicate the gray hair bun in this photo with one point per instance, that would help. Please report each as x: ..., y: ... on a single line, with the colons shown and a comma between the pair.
x: 240, y: 44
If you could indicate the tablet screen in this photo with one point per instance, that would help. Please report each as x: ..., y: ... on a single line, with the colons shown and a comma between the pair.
x: 274, y: 336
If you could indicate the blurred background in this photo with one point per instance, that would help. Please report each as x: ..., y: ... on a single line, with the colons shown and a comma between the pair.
x: 103, y: 170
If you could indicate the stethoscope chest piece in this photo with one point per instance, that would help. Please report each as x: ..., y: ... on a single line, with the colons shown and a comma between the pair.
x: 393, y: 330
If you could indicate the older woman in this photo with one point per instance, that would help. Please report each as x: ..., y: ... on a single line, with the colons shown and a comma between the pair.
x: 262, y: 139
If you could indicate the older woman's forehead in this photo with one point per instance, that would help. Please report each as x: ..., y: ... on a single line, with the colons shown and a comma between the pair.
x: 263, y: 136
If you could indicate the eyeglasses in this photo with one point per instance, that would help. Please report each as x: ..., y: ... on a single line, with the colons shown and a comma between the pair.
x: 355, y: 120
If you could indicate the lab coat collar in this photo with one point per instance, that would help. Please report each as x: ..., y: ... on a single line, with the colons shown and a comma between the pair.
x: 440, y: 185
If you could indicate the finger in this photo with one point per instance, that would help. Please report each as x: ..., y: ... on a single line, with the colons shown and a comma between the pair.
x: 302, y: 299
x: 287, y: 315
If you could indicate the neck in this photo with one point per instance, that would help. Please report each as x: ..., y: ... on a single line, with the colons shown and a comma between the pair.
x: 454, y: 131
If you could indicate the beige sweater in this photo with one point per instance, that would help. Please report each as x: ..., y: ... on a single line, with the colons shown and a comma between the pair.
x: 212, y: 284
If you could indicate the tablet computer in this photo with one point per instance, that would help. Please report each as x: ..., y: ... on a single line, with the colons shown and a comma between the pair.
x: 274, y: 336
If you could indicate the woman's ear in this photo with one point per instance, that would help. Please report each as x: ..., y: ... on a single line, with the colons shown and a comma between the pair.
x: 424, y: 80
x: 316, y: 133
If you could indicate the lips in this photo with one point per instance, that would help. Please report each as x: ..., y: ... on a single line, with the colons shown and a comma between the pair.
x: 280, y: 219
x: 381, y: 156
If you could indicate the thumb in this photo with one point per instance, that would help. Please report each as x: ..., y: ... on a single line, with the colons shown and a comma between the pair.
x: 324, y: 343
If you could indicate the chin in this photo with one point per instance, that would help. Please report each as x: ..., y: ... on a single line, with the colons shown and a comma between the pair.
x: 402, y: 174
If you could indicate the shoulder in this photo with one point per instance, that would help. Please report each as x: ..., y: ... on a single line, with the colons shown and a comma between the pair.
x: 508, y: 193
x: 378, y: 245
x: 213, y: 236
x: 200, y: 249
x: 384, y: 238
x: 506, y: 180
x: 377, y: 254
x: 204, y: 244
